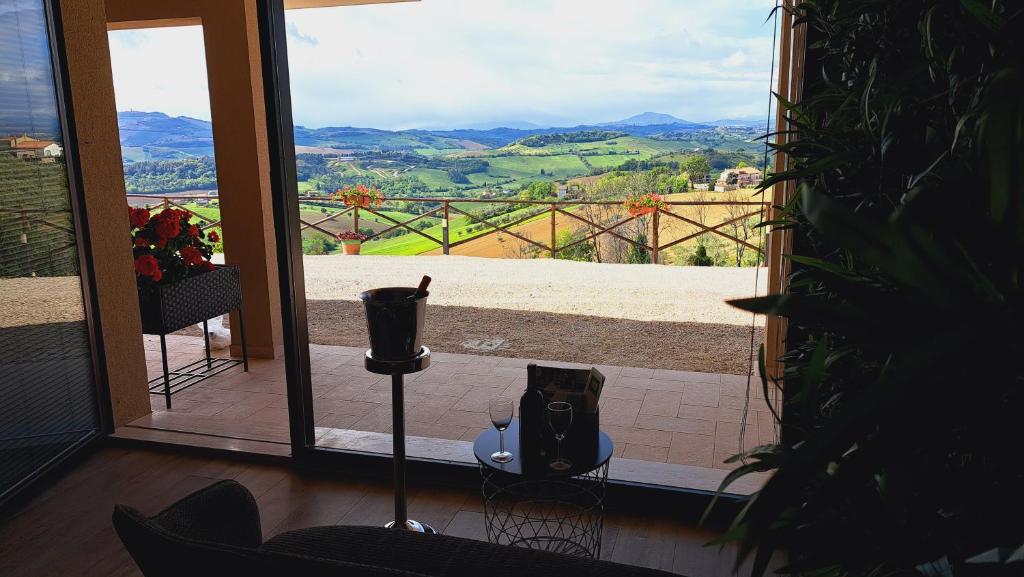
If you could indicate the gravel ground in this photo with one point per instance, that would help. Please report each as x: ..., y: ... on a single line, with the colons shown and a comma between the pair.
x: 631, y: 315
x: 700, y: 347
x: 616, y: 291
x: 40, y: 300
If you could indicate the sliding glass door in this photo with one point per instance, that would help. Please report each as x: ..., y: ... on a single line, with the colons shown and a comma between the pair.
x: 48, y: 394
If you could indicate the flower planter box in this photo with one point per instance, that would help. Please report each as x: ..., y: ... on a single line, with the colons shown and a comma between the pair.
x: 351, y: 246
x: 361, y: 202
x: 640, y: 211
x: 168, y: 308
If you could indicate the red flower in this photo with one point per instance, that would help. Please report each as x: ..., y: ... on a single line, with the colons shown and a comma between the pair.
x: 208, y: 266
x: 213, y: 236
x: 147, y: 265
x: 191, y: 256
x: 138, y: 217
x: 193, y: 231
x: 167, y: 228
x: 161, y: 243
x: 140, y: 241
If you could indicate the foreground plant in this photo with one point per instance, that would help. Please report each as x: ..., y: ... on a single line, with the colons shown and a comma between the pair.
x: 904, y: 390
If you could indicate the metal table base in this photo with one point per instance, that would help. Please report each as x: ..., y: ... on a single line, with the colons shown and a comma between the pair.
x: 398, y: 370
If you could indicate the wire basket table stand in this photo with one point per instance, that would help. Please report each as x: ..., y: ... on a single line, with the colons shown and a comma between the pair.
x: 562, y: 513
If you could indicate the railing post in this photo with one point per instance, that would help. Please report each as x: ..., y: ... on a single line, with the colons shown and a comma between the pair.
x: 654, y: 237
x: 554, y: 237
x: 355, y: 218
x: 444, y: 230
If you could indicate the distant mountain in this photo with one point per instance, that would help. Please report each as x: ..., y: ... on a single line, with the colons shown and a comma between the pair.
x: 748, y: 122
x: 650, y: 119
x: 514, y: 124
x: 157, y: 136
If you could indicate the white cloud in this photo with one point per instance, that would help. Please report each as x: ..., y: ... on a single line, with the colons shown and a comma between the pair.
x: 444, y: 63
x: 161, y: 69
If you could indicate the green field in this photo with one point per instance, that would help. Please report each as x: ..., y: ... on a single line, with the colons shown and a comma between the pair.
x: 312, y: 214
x: 413, y: 244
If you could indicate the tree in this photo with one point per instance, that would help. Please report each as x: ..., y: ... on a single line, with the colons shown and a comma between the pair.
x: 742, y: 228
x: 700, y: 256
x: 698, y: 166
x: 539, y: 190
x: 638, y: 253
x: 581, y: 251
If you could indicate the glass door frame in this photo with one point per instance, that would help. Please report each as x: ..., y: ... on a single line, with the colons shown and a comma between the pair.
x: 65, y: 114
x: 285, y: 202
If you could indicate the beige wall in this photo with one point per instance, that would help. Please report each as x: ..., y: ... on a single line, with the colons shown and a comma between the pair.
x: 240, y: 146
x: 92, y: 97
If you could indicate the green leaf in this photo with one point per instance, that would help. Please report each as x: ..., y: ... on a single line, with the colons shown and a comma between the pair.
x: 982, y: 11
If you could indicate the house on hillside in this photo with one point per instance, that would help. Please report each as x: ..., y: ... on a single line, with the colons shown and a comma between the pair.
x: 733, y: 178
x: 28, y: 148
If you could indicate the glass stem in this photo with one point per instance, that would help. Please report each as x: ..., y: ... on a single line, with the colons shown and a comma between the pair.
x: 558, y: 450
x: 501, y: 441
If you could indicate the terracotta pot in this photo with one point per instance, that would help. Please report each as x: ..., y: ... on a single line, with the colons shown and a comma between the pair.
x: 351, y: 246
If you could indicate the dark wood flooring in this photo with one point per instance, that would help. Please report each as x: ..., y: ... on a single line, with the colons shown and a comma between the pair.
x: 65, y: 529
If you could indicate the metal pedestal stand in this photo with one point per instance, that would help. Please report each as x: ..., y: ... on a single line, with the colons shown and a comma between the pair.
x: 398, y: 370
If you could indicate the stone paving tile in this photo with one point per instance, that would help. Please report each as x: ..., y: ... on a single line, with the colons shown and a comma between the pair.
x: 717, y: 414
x: 619, y: 412
x: 675, y: 424
x: 671, y: 375
x: 620, y: 392
x: 636, y: 372
x: 623, y: 435
x: 466, y: 419
x: 727, y: 437
x: 691, y: 449
x: 645, y: 453
x: 701, y: 394
x: 662, y: 403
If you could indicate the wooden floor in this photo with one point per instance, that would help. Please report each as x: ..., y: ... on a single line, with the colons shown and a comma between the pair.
x: 66, y: 529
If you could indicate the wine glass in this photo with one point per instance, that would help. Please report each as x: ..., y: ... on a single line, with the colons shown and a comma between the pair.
x: 500, y: 410
x: 559, y: 420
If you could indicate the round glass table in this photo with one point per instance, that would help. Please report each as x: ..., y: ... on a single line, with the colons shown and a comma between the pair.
x: 560, y: 511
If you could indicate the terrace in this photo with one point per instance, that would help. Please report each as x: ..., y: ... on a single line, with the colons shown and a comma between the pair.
x: 676, y: 388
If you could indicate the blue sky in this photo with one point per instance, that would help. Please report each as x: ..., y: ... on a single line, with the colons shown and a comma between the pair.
x: 462, y: 63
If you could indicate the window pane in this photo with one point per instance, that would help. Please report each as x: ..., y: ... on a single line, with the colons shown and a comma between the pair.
x: 47, y: 395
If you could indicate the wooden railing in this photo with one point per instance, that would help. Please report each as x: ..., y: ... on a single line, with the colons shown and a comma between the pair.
x: 445, y: 209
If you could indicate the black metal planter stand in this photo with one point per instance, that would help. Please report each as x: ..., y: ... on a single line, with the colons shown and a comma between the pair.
x: 169, y: 308
x: 398, y: 370
x: 177, y: 380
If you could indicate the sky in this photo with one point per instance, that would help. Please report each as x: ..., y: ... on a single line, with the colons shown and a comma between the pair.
x: 438, y: 64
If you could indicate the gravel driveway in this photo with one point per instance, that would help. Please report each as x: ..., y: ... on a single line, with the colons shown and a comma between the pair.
x: 616, y: 291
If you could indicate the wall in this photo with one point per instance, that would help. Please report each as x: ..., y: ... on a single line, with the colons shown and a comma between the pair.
x: 92, y: 92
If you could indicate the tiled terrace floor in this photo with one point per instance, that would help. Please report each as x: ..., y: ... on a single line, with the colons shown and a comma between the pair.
x: 652, y: 415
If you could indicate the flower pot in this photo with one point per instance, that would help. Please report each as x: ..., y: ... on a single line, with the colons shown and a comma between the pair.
x: 395, y: 322
x: 642, y: 210
x: 168, y: 308
x: 351, y: 246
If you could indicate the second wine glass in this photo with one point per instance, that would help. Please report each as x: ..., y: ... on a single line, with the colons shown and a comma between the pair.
x: 559, y: 420
x: 500, y: 410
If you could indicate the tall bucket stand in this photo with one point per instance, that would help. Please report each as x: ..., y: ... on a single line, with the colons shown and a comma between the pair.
x: 398, y: 370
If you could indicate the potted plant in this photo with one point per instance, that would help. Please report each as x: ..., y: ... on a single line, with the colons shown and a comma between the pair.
x: 352, y: 241
x: 641, y: 204
x: 178, y: 285
x: 359, y: 195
